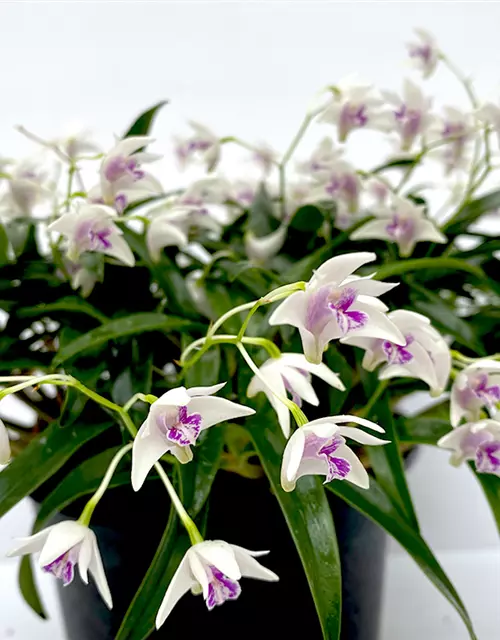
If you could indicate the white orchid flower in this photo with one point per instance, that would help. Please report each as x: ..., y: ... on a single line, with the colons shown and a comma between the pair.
x: 355, y: 105
x: 322, y: 160
x: 261, y: 249
x: 174, y: 423
x: 335, y: 304
x: 475, y: 387
x: 402, y: 222
x: 319, y: 448
x: 340, y: 184
x: 423, y: 355
x: 122, y: 178
x: 489, y: 113
x: 28, y: 186
x: 203, y: 146
x: 214, y: 569
x: 412, y: 117
x: 291, y: 373
x: 92, y: 228
x: 459, y: 129
x: 4, y: 444
x: 76, y: 145
x: 265, y: 156
x: 477, y: 441
x: 64, y: 545
x: 424, y: 53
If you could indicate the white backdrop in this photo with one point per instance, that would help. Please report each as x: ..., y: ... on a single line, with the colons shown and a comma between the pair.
x: 249, y: 69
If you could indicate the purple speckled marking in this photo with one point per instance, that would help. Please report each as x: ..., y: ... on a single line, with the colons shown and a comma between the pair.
x: 338, y: 468
x: 220, y: 589
x: 347, y: 320
x: 421, y: 51
x: 63, y: 567
x: 99, y: 238
x: 488, y: 457
x: 397, y: 354
x: 120, y: 166
x: 181, y: 428
x: 489, y: 395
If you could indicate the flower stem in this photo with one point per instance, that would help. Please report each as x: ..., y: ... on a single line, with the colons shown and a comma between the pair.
x: 193, y: 532
x: 94, y: 501
x: 288, y: 154
x: 382, y: 386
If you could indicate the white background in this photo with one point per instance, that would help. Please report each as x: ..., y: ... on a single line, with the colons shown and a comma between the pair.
x: 249, y: 69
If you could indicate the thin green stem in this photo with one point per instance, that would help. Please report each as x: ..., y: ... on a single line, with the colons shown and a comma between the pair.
x: 288, y: 154
x: 147, y: 398
x: 94, y: 501
x: 382, y: 386
x: 193, y: 532
x: 226, y: 316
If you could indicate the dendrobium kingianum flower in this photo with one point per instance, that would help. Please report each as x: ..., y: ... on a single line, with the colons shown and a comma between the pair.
x: 122, y: 178
x: 412, y: 117
x: 489, y: 113
x: 202, y: 146
x: 424, y: 354
x: 213, y: 568
x: 174, y: 423
x: 424, y: 53
x: 458, y: 128
x: 92, y: 228
x: 475, y: 388
x: 335, y: 304
x: 477, y: 441
x: 340, y: 184
x: 355, y: 106
x: 76, y: 145
x: 290, y: 374
x: 61, y: 547
x: 402, y: 222
x: 4, y: 444
x: 322, y: 160
x: 319, y: 448
x: 28, y: 186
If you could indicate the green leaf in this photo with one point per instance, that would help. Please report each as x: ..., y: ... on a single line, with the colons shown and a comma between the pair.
x: 130, y: 325
x: 472, y: 211
x: 261, y: 218
x: 308, y: 516
x: 28, y: 587
x: 307, y: 218
x: 432, y: 264
x: 45, y: 455
x: 167, y: 274
x: 68, y: 303
x: 142, y: 125
x: 4, y: 246
x: 422, y: 430
x: 375, y: 504
x: 491, y: 487
x: 387, y: 463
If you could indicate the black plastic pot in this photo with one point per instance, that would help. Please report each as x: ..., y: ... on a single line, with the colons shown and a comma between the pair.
x: 246, y: 513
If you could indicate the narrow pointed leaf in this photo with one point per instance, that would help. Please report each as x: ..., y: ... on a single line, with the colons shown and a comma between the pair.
x: 308, y: 515
x: 142, y: 125
x: 375, y: 504
x: 28, y: 587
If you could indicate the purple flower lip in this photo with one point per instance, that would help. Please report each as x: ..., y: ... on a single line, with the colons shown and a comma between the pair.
x: 99, y: 239
x: 183, y: 429
x: 397, y: 354
x: 347, y: 320
x: 488, y: 457
x: 120, y: 166
x: 421, y: 51
x: 338, y: 468
x: 220, y: 588
x: 489, y: 395
x: 62, y: 567
x: 400, y: 228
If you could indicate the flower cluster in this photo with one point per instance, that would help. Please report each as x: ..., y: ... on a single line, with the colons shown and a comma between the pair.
x: 353, y: 331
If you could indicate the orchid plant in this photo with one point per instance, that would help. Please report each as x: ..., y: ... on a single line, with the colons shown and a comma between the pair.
x: 299, y: 310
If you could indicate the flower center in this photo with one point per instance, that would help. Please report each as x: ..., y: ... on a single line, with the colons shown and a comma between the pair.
x: 338, y: 468
x: 339, y: 302
x: 397, y: 354
x: 220, y: 588
x: 99, y: 239
x: 181, y: 427
x: 63, y: 567
x: 489, y: 395
x: 121, y: 166
x: 421, y: 51
x: 400, y: 228
x: 488, y: 457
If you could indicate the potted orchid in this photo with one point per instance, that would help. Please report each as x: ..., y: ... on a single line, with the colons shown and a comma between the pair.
x: 227, y: 367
